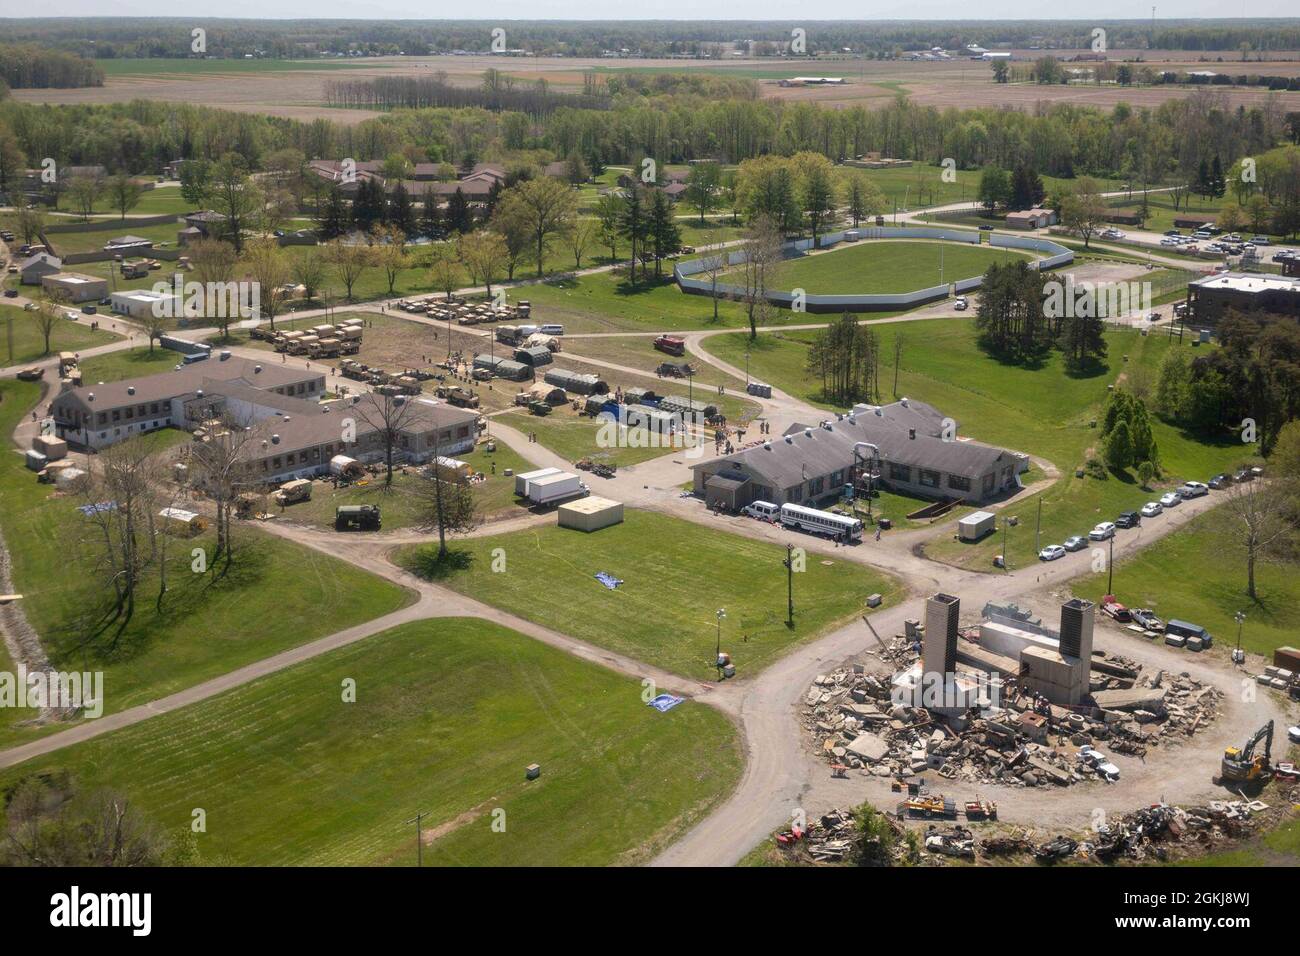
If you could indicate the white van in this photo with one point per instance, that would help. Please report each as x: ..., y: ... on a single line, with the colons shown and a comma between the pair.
x: 551, y: 329
x: 762, y: 510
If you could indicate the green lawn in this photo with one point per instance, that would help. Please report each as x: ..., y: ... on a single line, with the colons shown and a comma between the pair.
x: 606, y: 302
x: 676, y: 575
x: 447, y: 715
x: 21, y: 340
x: 573, y: 436
x: 66, y: 243
x: 275, y: 596
x: 1041, y: 411
x: 889, y: 266
x: 1197, y: 575
x: 400, y: 508
x: 128, y: 363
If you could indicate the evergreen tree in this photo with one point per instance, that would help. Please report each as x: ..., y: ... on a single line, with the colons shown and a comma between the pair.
x: 459, y: 217
x: 430, y: 214
x: 635, y: 223
x: 401, y: 211
x: 664, y: 236
x: 332, y: 220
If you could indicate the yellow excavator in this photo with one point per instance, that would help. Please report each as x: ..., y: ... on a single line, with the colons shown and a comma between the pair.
x: 1243, y: 764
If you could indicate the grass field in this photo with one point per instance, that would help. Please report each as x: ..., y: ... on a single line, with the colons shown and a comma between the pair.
x: 21, y: 340
x: 127, y: 363
x: 401, y: 509
x: 676, y: 575
x: 1198, y: 575
x: 1041, y: 411
x: 890, y: 266
x: 447, y: 715
x: 66, y: 243
x: 147, y: 67
x: 276, y: 595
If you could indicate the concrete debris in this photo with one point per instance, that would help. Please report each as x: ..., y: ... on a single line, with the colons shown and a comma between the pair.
x: 1023, y: 742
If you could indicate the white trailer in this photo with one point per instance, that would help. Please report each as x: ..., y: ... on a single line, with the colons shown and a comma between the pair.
x: 976, y: 525
x: 553, y: 489
x: 524, y: 477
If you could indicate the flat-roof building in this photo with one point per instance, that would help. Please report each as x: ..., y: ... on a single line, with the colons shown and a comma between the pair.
x: 1210, y: 296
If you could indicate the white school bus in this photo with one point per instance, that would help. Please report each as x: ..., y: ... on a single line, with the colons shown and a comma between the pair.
x: 821, y: 522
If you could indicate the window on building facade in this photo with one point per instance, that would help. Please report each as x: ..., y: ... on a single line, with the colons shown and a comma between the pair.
x: 928, y: 478
x: 900, y: 472
x: 959, y: 482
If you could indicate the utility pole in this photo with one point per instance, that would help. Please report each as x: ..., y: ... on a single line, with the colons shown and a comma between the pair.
x: 789, y: 584
x: 1038, y: 525
x: 717, y: 656
x: 1239, y: 656
x: 1110, y: 567
x: 419, y: 842
x: 1006, y: 533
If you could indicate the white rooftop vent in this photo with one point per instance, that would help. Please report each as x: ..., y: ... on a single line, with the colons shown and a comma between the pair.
x: 789, y: 439
x: 807, y: 433
x: 903, y: 401
x: 225, y: 354
x: 275, y: 439
x: 853, y: 419
x: 767, y: 445
x: 90, y: 396
x: 198, y: 393
x: 130, y: 390
x: 256, y: 369
x: 879, y: 412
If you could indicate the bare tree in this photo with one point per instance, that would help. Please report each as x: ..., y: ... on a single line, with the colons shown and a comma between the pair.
x: 213, y: 264
x: 389, y: 416
x: 390, y: 253
x: 1255, y: 519
x: 124, y: 193
x: 220, y: 464
x: 762, y: 260
x: 120, y: 495
x: 49, y: 310
x: 448, y: 506
x: 582, y: 235
x: 84, y: 192
x: 309, y: 272
x: 715, y: 263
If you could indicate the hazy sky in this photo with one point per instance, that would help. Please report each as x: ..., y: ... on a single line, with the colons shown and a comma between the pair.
x: 656, y: 9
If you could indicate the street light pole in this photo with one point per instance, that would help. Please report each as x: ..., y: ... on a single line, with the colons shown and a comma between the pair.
x: 789, y: 584
x: 1238, y: 656
x: 717, y: 656
x: 1038, y: 525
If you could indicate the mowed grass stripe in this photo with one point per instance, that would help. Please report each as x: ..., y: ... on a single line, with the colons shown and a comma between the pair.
x: 447, y: 715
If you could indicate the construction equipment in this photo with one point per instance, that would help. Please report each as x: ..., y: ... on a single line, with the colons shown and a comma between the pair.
x: 293, y: 491
x: 979, y: 809
x: 357, y: 518
x: 930, y: 806
x: 1243, y: 765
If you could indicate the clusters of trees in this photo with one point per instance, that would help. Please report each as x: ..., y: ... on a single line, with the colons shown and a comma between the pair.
x: 25, y: 66
x: 1063, y: 140
x: 497, y: 92
x: 846, y: 357
x: 803, y: 193
x: 164, y: 37
x: 1016, y: 325
x: 1249, y: 386
x: 1126, y: 437
x: 1022, y: 188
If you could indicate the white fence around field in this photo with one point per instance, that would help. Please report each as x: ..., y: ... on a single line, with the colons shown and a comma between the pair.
x: 1055, y: 255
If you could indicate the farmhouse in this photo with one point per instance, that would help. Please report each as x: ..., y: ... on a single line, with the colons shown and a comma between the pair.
x: 811, y: 464
x: 1209, y: 297
x: 32, y: 271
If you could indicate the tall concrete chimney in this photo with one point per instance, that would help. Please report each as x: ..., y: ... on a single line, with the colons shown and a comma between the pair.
x: 1076, y: 629
x: 939, y: 649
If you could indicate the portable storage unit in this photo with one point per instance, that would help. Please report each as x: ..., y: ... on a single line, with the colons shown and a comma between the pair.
x: 590, y: 514
x: 452, y: 469
x: 178, y: 521
x: 514, y: 371
x: 346, y: 467
x: 558, y: 487
x: 49, y: 446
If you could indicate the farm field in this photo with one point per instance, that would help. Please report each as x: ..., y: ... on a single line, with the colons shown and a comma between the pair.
x: 291, y: 775
x: 664, y: 612
x: 871, y: 267
x: 27, y: 344
x: 1042, y: 412
x: 1199, y: 575
x: 276, y: 594
x: 400, y: 508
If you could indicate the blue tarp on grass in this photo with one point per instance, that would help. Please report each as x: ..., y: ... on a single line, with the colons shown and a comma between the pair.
x: 607, y: 579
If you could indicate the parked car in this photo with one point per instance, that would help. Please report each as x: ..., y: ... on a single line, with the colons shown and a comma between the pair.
x: 1147, y: 618
x: 1103, y: 531
x: 1243, y: 474
x: 1170, y: 500
x: 1099, y: 762
x: 985, y: 227
x: 11, y: 293
x: 1194, y: 489
x: 1051, y: 553
x: 1128, y: 519
x: 1151, y: 509
x: 1075, y: 543
x: 1173, y: 233
x: 1113, y: 609
x: 1260, y: 240
x: 1220, y: 481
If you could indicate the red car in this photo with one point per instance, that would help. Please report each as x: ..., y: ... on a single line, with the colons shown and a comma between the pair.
x: 1113, y: 609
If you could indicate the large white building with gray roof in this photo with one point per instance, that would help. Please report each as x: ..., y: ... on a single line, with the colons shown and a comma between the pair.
x: 917, y: 448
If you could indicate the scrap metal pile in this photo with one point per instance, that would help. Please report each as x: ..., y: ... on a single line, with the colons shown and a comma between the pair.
x: 835, y: 836
x: 858, y: 726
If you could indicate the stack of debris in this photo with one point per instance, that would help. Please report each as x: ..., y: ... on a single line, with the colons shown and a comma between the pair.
x: 954, y: 841
x: 836, y: 835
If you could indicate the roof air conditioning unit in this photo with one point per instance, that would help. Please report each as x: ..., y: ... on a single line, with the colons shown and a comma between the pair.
x: 807, y: 433
x: 130, y: 390
x: 275, y: 439
x: 767, y: 445
x: 789, y: 439
x: 257, y: 368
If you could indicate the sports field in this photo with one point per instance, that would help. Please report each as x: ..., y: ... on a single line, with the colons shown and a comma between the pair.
x: 895, y: 265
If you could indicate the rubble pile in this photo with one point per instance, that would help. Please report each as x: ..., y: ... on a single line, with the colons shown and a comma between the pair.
x: 857, y: 726
x: 835, y: 836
